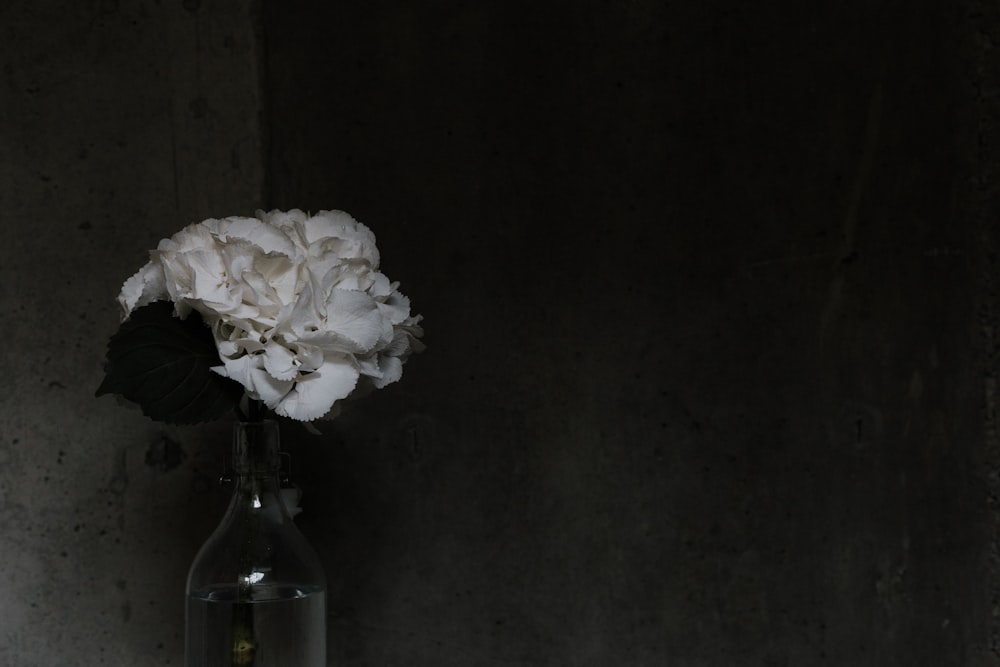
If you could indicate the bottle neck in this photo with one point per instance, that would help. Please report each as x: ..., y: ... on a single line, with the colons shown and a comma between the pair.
x: 256, y: 449
x: 256, y: 463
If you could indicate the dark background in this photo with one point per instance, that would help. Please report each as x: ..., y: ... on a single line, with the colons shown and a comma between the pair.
x: 704, y: 381
x: 710, y: 301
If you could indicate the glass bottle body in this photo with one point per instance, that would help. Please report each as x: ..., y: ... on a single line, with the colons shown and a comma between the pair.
x: 256, y: 593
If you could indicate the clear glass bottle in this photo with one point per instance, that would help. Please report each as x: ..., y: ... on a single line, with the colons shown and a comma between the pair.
x: 256, y: 592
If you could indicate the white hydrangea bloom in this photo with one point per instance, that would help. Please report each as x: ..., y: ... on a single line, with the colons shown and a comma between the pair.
x: 299, y: 310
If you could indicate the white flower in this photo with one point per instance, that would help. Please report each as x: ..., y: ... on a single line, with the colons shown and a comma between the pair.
x: 300, y: 313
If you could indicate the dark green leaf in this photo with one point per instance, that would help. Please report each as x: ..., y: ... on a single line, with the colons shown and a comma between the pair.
x: 163, y: 363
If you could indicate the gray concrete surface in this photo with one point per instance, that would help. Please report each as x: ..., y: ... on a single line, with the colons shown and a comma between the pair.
x: 710, y: 299
x: 119, y: 123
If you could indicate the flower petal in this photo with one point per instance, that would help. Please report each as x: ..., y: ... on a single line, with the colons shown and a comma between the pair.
x: 354, y: 315
x: 314, y: 394
x: 264, y: 236
x: 259, y: 384
x: 279, y: 361
x: 392, y: 370
x: 146, y: 286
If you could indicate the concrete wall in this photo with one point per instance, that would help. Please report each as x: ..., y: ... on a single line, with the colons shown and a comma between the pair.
x: 707, y: 316
x: 119, y: 123
x: 710, y: 308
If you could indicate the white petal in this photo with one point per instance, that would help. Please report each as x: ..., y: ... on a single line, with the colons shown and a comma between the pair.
x: 209, y: 274
x: 227, y: 348
x: 281, y: 276
x: 314, y: 394
x: 405, y: 338
x: 192, y: 237
x: 356, y: 316
x: 392, y: 370
x: 380, y: 285
x: 338, y: 232
x: 303, y: 317
x: 270, y: 390
x: 145, y: 287
x: 247, y: 371
x: 330, y: 342
x: 282, y: 219
x: 279, y: 361
x: 396, y: 307
x: 310, y: 356
x: 329, y: 224
x: 369, y: 366
x: 177, y: 274
x: 266, y: 237
x: 235, y: 369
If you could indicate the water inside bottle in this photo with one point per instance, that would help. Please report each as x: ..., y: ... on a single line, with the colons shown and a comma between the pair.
x: 283, y: 625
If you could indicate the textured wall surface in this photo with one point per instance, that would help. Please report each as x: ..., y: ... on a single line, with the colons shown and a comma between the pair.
x: 705, y: 376
x: 710, y: 309
x: 119, y: 123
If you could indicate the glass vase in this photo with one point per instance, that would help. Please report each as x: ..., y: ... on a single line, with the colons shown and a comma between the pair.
x: 256, y: 592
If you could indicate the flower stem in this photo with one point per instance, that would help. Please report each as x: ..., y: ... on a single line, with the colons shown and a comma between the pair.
x: 244, y: 641
x: 255, y: 410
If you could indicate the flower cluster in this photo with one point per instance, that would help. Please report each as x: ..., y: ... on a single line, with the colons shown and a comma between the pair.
x: 299, y: 311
